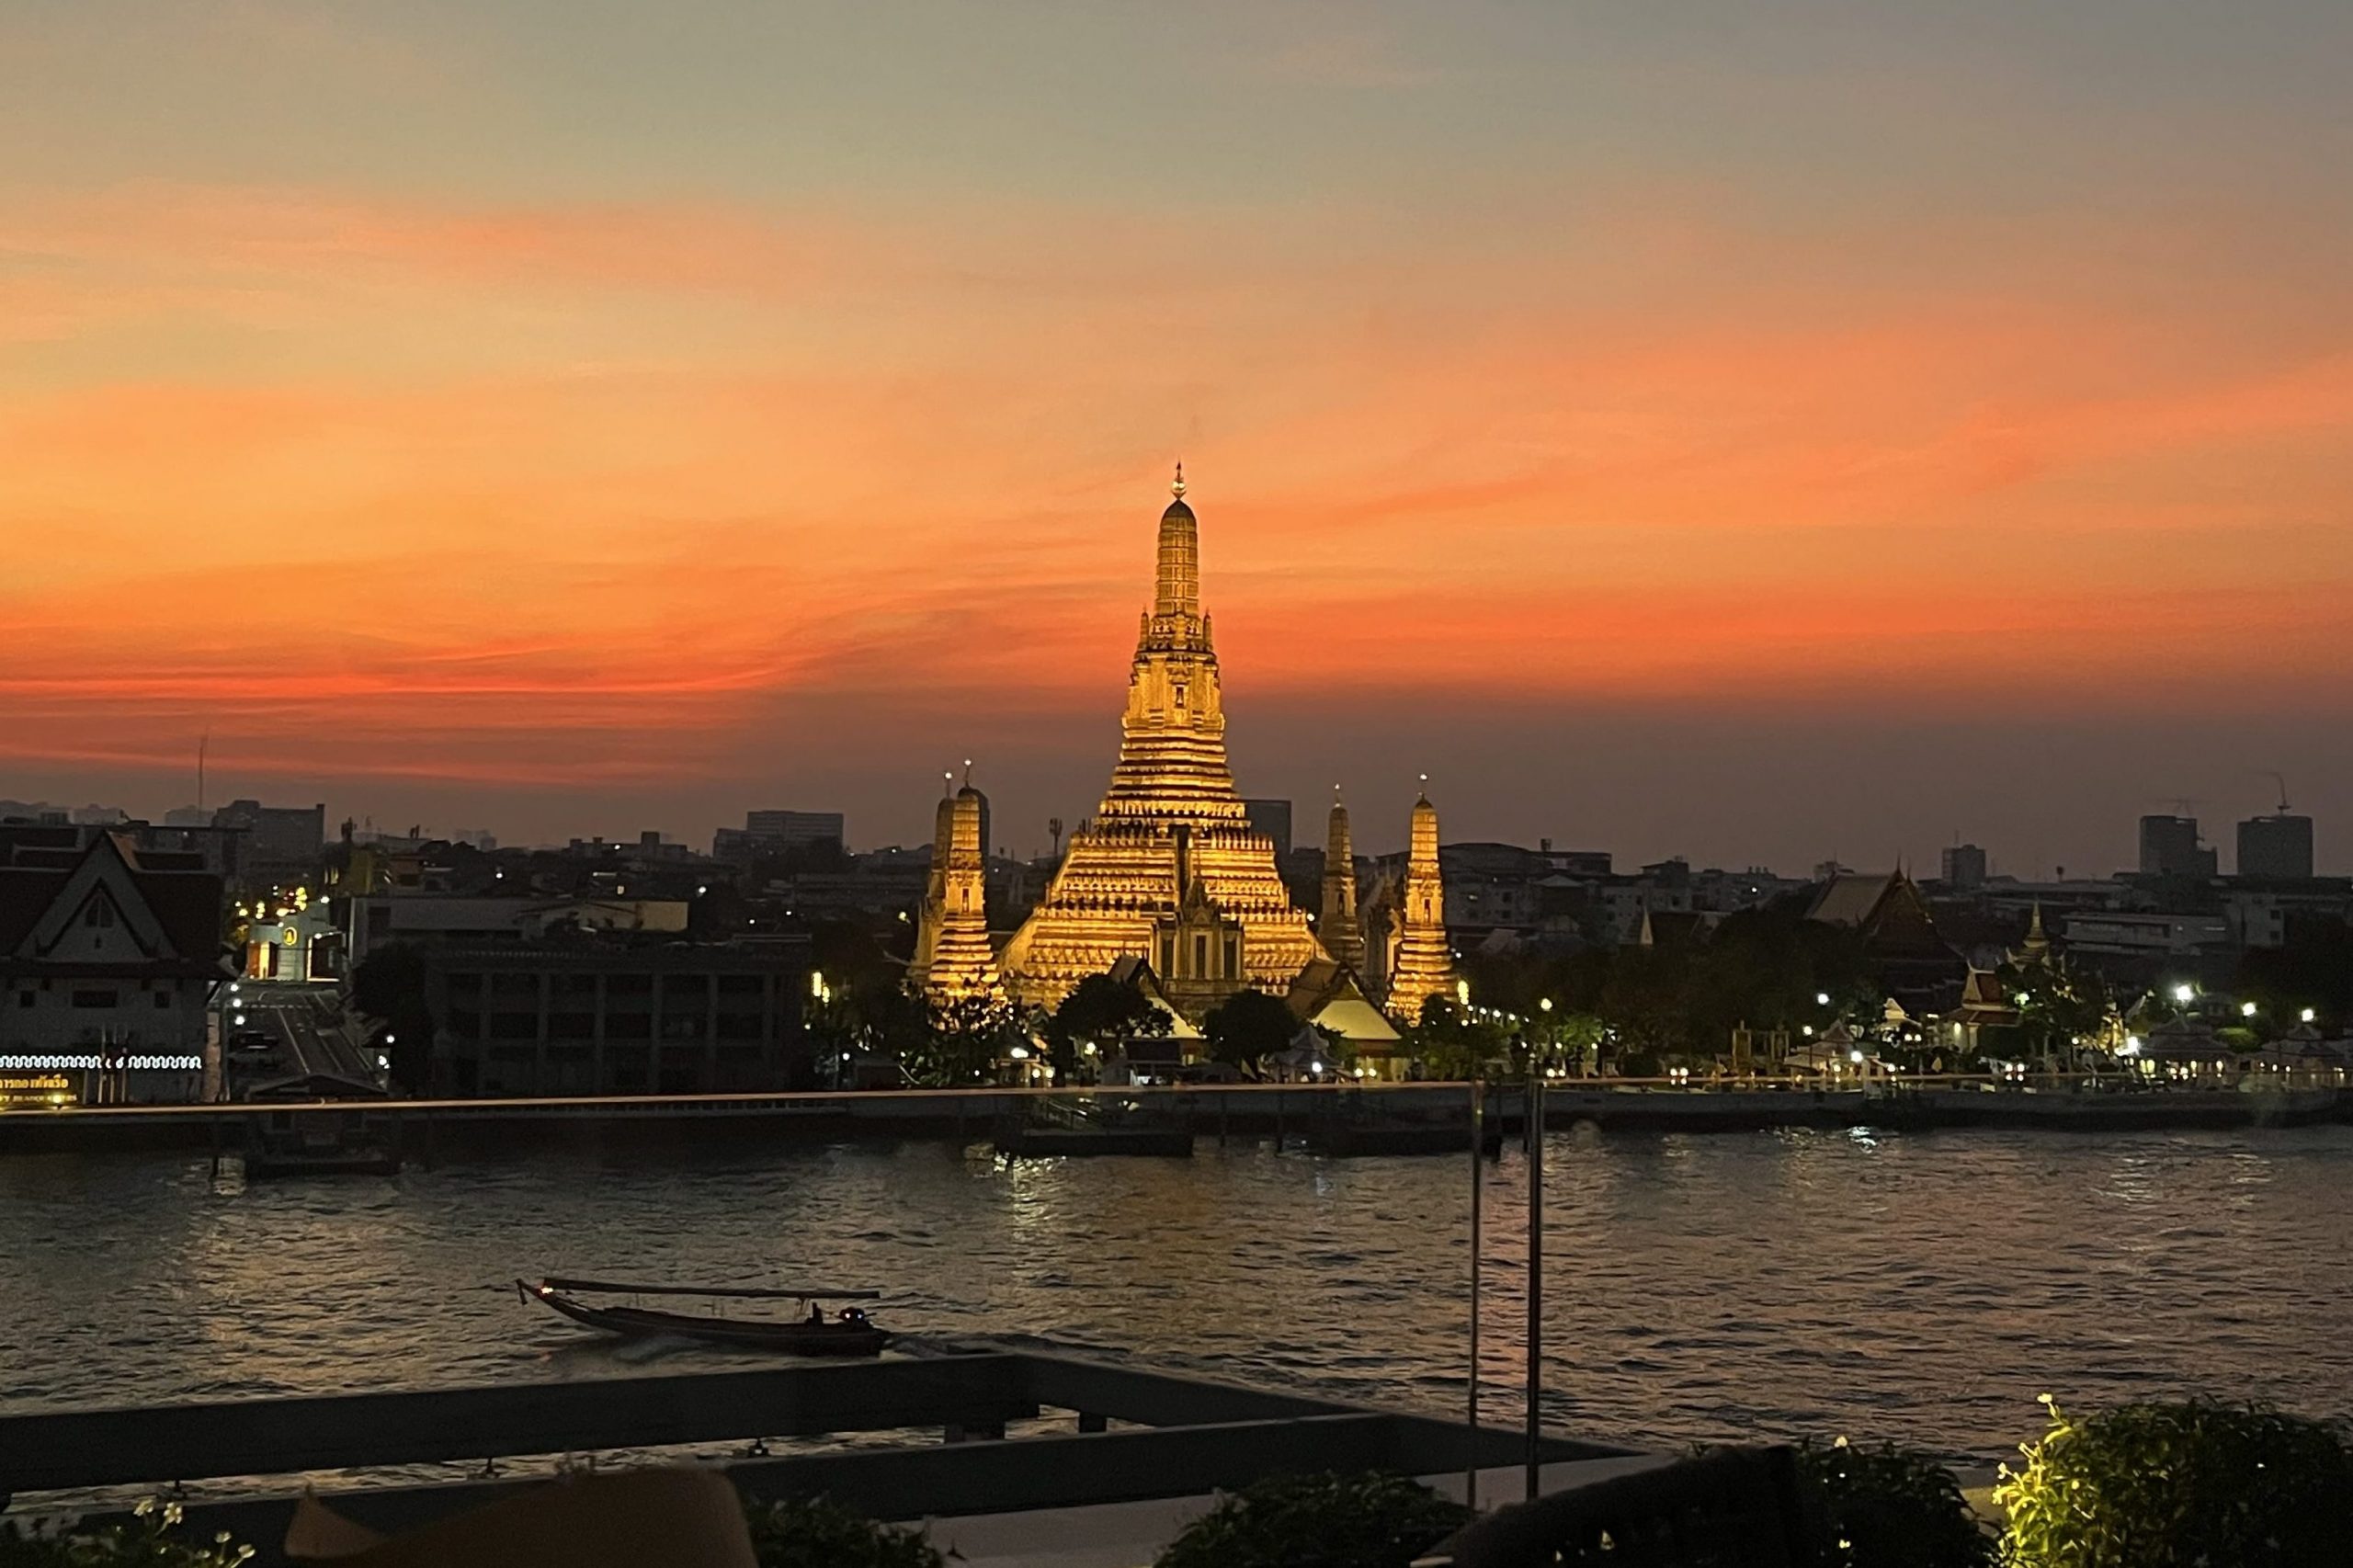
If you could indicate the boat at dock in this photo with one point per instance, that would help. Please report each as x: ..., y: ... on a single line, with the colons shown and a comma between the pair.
x: 1044, y: 1128
x: 847, y: 1333
x: 316, y: 1146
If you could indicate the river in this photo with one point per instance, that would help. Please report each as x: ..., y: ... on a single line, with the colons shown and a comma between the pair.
x: 1923, y: 1286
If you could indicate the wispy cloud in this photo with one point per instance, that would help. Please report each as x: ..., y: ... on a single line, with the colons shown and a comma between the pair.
x: 502, y: 490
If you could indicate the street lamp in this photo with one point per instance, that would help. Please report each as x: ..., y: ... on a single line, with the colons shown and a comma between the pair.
x: 2182, y: 994
x: 1821, y: 998
x: 2306, y: 1014
x: 2247, y: 1009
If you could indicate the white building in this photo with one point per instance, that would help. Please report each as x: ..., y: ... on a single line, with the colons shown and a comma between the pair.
x: 108, y: 960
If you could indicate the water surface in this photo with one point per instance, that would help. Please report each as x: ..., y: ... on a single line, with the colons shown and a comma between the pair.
x: 1919, y: 1286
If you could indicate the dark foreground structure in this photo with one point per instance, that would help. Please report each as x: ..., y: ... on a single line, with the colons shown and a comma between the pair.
x: 1176, y: 1438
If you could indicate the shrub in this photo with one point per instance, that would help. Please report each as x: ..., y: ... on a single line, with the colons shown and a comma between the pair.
x: 1890, y: 1507
x: 2173, y: 1486
x: 1317, y: 1521
x: 150, y: 1540
x: 816, y: 1532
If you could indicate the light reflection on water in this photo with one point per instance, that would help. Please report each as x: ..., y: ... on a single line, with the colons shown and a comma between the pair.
x: 1920, y: 1286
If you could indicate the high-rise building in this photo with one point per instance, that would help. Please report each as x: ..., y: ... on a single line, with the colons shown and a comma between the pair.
x: 281, y: 843
x: 1271, y: 818
x: 2169, y: 847
x: 2275, y: 845
x: 1964, y: 866
x: 793, y: 830
x: 1170, y: 870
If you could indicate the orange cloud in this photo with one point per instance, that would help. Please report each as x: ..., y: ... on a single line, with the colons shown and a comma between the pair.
x: 494, y: 495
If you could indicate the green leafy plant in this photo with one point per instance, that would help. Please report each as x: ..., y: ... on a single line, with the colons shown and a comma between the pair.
x: 2190, y: 1485
x: 817, y: 1532
x: 150, y: 1540
x: 1891, y: 1507
x: 1317, y: 1521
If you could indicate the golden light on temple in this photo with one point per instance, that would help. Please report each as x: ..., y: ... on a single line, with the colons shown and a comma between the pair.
x: 953, y: 959
x: 1169, y: 870
x: 1170, y: 875
x: 1423, y: 966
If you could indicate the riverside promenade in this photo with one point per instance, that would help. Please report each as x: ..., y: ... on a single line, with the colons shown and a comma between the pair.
x: 1281, y: 1112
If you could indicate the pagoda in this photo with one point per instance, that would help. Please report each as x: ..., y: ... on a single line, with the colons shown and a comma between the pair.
x: 1168, y: 870
x: 953, y: 960
x: 1422, y: 964
x: 1340, y: 928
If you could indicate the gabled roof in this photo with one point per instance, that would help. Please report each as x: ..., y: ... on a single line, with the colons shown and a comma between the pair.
x: 1357, y: 1022
x: 1134, y: 969
x: 173, y: 914
x: 1849, y: 898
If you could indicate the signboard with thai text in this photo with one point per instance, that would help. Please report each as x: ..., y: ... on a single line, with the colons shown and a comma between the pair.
x: 36, y: 1091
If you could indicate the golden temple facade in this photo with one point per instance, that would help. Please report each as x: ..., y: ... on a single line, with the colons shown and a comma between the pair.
x: 954, y: 960
x: 1169, y: 870
x: 1422, y: 964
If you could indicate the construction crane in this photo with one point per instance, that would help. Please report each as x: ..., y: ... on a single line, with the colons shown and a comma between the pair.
x: 2281, y: 779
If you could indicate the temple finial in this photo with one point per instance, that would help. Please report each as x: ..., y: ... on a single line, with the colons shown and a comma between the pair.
x: 946, y: 782
x: 968, y: 773
x: 1177, y: 487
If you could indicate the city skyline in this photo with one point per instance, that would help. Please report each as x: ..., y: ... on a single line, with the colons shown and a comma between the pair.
x: 1925, y: 429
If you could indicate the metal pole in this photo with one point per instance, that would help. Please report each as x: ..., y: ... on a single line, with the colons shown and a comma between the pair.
x: 1471, y: 1445
x: 1535, y: 1269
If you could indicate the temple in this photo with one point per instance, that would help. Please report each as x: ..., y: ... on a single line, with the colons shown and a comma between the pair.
x: 954, y: 960
x: 1169, y: 869
x: 1422, y: 964
x: 1342, y: 934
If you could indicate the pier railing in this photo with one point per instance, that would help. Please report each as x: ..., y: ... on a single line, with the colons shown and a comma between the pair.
x: 1106, y: 1434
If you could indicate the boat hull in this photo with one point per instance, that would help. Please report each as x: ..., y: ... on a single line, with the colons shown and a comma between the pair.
x: 829, y: 1338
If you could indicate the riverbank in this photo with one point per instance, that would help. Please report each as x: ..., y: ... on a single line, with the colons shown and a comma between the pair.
x: 1334, y: 1118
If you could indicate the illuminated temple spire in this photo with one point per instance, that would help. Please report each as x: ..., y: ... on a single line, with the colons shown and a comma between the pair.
x: 1169, y: 870
x: 1424, y: 965
x: 1336, y: 926
x: 1172, y: 739
x: 953, y: 959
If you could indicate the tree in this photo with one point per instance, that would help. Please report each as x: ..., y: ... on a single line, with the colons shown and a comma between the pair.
x: 2060, y: 1007
x: 1248, y: 1027
x: 1567, y: 1037
x: 389, y: 984
x: 2313, y: 969
x: 962, y: 1043
x: 1451, y: 1042
x: 1099, y: 1010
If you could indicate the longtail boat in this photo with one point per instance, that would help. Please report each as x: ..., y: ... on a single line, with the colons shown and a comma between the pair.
x: 847, y: 1333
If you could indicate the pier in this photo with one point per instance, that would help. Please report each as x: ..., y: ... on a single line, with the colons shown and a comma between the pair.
x: 1332, y: 1117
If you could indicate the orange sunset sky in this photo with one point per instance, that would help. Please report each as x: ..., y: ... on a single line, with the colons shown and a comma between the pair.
x: 1764, y: 433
